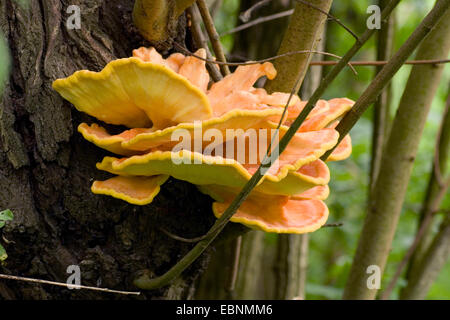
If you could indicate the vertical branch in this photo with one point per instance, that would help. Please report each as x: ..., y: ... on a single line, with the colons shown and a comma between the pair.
x: 200, y: 41
x: 429, y: 267
x: 213, y: 35
x: 249, y: 282
x: 303, y: 33
x: 439, y: 169
x: 435, y: 194
x: 215, y: 7
x: 401, y: 147
x: 381, y: 108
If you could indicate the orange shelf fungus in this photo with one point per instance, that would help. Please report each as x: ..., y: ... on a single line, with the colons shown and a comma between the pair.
x: 214, y: 136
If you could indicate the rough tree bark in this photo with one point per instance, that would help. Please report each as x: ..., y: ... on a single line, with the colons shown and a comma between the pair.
x: 46, y: 168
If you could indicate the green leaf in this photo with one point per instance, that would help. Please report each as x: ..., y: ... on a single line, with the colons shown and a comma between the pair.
x: 3, y: 254
x: 6, y: 215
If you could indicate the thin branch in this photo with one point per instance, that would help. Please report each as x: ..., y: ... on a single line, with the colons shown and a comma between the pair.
x: 379, y: 63
x: 434, y: 194
x: 437, y: 172
x: 257, y: 21
x: 144, y: 280
x: 423, y: 227
x: 178, y: 238
x: 214, y: 7
x: 431, y: 208
x: 62, y: 284
x: 234, y: 269
x: 283, y: 14
x: 248, y: 63
x: 429, y: 267
x: 213, y: 36
x: 245, y: 16
x: 331, y: 17
x: 200, y: 41
x: 381, y: 108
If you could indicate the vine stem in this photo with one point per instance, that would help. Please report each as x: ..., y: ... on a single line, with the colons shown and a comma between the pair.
x: 66, y: 285
x: 248, y: 63
x: 144, y: 280
x: 245, y: 16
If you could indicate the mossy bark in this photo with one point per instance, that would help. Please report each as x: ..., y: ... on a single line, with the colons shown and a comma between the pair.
x: 47, y: 168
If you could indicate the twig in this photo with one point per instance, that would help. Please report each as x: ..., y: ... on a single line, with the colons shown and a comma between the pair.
x: 144, y: 281
x: 259, y: 20
x: 283, y: 14
x: 214, y: 8
x: 178, y: 238
x: 213, y: 36
x: 331, y: 17
x: 369, y: 63
x: 62, y: 284
x: 333, y: 225
x: 200, y: 41
x: 434, y: 193
x: 245, y: 16
x: 435, y: 257
x: 381, y: 108
x: 248, y: 63
x: 379, y: 63
x: 423, y: 227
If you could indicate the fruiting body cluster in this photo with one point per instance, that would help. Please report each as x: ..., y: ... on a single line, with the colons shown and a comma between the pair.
x: 163, y: 101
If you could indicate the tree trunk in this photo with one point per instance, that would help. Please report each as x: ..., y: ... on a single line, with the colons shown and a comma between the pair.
x: 47, y: 168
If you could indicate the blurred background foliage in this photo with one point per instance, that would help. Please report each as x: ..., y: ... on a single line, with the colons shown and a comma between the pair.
x: 332, y: 249
x: 5, y: 63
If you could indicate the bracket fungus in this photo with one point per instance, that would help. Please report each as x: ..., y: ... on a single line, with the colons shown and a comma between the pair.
x: 225, y: 130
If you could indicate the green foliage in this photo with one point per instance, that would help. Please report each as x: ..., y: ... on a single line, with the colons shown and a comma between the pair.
x: 5, y: 215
